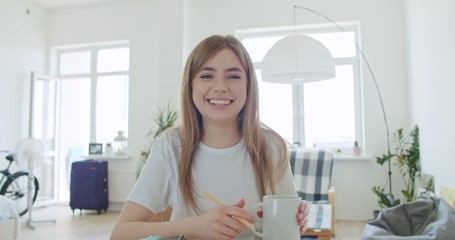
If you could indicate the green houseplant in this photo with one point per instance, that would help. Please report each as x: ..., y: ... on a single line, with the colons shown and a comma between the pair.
x: 163, y: 119
x: 407, y: 157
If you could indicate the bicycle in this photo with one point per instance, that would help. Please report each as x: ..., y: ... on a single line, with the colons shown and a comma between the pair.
x: 15, y: 186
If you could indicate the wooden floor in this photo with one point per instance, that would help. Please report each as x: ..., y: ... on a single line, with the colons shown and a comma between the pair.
x: 68, y: 226
x: 90, y: 225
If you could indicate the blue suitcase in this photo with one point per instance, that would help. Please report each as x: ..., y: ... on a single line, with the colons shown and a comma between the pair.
x: 88, y: 185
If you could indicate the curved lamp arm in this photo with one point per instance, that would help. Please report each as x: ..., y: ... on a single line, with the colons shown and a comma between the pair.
x: 374, y: 81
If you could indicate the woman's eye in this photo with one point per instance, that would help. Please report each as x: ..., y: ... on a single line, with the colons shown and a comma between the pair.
x: 205, y: 76
x: 234, y: 76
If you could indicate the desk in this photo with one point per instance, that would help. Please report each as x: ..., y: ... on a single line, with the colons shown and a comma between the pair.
x: 319, y: 221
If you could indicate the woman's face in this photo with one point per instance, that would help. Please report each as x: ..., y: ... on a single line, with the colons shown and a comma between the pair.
x: 219, y: 88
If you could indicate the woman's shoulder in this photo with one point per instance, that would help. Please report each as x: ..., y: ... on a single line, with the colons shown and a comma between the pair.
x: 272, y: 138
x: 170, y: 135
x: 276, y: 145
x: 168, y: 141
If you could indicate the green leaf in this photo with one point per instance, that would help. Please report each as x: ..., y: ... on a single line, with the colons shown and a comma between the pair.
x: 384, y: 158
x: 406, y: 155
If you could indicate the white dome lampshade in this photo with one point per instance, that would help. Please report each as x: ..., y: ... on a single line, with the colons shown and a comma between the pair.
x: 297, y: 59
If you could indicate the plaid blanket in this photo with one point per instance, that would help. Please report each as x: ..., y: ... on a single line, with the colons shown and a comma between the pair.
x: 312, y: 170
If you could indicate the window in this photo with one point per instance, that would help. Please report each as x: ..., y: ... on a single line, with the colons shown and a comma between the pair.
x: 324, y: 114
x: 94, y: 94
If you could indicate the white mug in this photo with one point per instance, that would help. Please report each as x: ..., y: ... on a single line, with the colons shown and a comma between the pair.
x: 279, y: 217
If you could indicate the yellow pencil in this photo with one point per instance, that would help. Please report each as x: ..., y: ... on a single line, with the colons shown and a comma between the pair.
x: 217, y: 202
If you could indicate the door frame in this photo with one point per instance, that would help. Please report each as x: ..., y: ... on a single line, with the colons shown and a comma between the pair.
x: 36, y: 129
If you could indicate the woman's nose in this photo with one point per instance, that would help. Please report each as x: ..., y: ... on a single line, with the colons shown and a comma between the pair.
x: 220, y: 85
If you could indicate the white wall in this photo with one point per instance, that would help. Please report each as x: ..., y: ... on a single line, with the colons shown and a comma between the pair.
x: 431, y: 38
x: 22, y: 50
x: 162, y: 33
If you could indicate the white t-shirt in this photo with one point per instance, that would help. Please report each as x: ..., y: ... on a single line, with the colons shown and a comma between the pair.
x: 227, y: 174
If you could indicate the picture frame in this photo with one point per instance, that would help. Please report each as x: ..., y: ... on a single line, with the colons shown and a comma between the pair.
x: 426, y: 186
x: 427, y: 182
x: 95, y: 148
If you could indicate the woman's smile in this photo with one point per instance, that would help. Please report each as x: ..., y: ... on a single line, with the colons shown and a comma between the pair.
x: 220, y: 102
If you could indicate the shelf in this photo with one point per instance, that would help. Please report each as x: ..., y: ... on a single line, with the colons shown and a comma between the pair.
x: 352, y: 157
x: 97, y: 157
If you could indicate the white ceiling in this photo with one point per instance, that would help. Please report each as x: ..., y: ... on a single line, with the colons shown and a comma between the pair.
x: 54, y: 4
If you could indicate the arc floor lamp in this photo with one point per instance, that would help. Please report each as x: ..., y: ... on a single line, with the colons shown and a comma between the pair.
x: 298, y: 58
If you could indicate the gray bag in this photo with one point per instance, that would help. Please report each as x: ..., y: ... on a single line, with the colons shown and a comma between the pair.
x: 424, y: 219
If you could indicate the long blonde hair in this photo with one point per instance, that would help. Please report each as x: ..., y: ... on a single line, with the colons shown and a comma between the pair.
x: 249, y: 122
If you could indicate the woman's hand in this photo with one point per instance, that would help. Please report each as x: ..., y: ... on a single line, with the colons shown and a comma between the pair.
x: 302, y: 216
x: 218, y: 223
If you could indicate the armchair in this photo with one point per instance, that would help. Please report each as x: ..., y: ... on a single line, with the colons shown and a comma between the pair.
x: 312, y: 171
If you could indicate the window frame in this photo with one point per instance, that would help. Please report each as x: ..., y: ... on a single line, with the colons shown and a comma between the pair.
x: 93, y: 75
x: 298, y: 89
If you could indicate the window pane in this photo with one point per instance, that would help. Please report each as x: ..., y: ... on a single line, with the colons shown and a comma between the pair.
x: 258, y: 47
x: 275, y: 101
x: 44, y: 107
x: 340, y: 44
x: 329, y: 110
x: 114, y: 59
x: 112, y: 107
x: 75, y: 113
x: 75, y: 63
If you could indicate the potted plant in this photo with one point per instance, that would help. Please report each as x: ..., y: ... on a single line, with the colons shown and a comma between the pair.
x: 407, y: 157
x: 164, y: 119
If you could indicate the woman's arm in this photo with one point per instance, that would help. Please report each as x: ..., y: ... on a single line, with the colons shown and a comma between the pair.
x: 133, y: 223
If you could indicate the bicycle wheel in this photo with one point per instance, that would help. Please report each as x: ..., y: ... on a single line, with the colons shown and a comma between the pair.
x: 15, y: 188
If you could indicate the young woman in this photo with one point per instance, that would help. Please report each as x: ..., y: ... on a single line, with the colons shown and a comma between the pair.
x: 220, y: 147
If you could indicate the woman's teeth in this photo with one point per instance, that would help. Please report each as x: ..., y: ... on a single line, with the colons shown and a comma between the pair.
x: 219, y: 102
